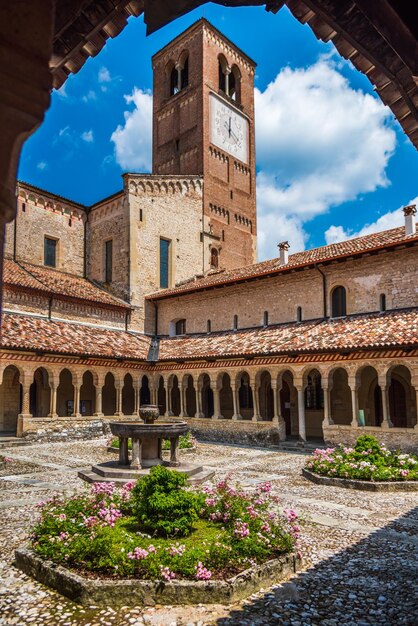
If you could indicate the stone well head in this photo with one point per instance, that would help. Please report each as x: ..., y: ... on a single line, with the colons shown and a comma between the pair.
x: 149, y: 413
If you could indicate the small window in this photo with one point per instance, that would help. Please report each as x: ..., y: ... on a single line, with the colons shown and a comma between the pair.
x: 266, y: 318
x: 214, y: 258
x: 382, y: 302
x: 299, y: 314
x: 24, y: 207
x: 108, y: 261
x: 164, y: 263
x: 177, y: 145
x: 208, y: 326
x: 231, y: 195
x: 235, y: 322
x: 181, y: 327
x: 184, y: 74
x: 174, y: 82
x: 338, y: 302
x: 50, y: 252
x: 140, y: 215
x: 223, y: 235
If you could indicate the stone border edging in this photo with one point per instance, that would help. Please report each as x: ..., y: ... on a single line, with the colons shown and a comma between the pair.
x: 361, y: 485
x: 117, y: 592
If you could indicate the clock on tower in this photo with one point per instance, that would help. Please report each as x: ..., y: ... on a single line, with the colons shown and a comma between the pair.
x: 203, y: 123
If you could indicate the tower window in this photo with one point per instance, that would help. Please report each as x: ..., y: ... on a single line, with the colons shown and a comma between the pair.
x: 164, y: 263
x: 266, y: 318
x: 235, y: 322
x: 382, y: 302
x: 108, y: 261
x: 338, y: 302
x: 181, y: 327
x: 50, y: 252
x: 24, y: 207
x: 179, y: 75
x: 208, y: 326
x: 214, y: 258
x: 299, y: 314
x: 229, y: 79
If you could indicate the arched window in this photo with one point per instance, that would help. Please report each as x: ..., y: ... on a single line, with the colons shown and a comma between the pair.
x: 314, y: 397
x: 208, y: 326
x: 235, y: 322
x: 179, y: 74
x: 382, y: 303
x: 181, y: 327
x: 184, y: 73
x: 214, y: 258
x: 174, y: 86
x: 266, y: 318
x: 234, y: 90
x: 299, y: 314
x: 222, y: 68
x: 338, y: 302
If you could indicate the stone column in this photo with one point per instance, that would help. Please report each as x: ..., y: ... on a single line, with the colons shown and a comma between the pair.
x: 386, y: 422
x: 327, y: 406
x: 99, y: 398
x: 119, y: 411
x: 182, y: 400
x: 76, y: 410
x: 26, y: 383
x: 136, y: 453
x: 178, y: 68
x: 235, y: 398
x: 352, y: 383
x: 277, y: 417
x: 123, y: 451
x: 174, y: 448
x: 301, y: 410
x: 216, y: 402
x: 168, y: 411
x: 415, y: 386
x: 136, y: 400
x: 255, y: 389
x: 53, y: 399
x: 198, y: 388
x: 226, y: 74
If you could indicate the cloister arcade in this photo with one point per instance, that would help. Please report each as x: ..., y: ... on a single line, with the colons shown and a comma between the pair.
x: 299, y: 401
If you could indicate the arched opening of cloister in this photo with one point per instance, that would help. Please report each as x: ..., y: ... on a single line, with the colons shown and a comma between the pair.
x: 266, y: 397
x: 245, y: 396
x: 65, y: 394
x: 314, y: 404
x: 401, y: 397
x: 144, y: 394
x: 128, y: 395
x: 340, y: 397
x: 87, y: 394
x: 288, y: 404
x: 225, y: 397
x: 370, y: 396
x: 190, y: 398
x: 175, y: 395
x: 109, y: 395
x: 207, y: 397
x: 161, y: 397
x: 10, y: 399
x: 40, y: 394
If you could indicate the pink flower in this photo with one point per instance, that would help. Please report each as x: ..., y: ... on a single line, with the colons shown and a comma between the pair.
x: 210, y: 501
x: 151, y: 548
x: 63, y: 536
x: 291, y: 515
x: 62, y: 517
x: 265, y: 487
x: 105, y: 489
x: 138, y: 554
x: 404, y: 472
x: 251, y: 510
x: 91, y: 521
x: 166, y: 573
x: 109, y: 514
x: 176, y: 550
x: 202, y: 573
x: 241, y: 529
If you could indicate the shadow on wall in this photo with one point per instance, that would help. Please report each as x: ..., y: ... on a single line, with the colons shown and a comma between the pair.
x: 371, y: 582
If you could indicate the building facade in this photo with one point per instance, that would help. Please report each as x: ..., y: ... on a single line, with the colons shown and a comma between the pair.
x: 153, y: 295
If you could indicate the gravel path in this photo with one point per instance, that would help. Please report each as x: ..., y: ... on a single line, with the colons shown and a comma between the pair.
x: 360, y: 549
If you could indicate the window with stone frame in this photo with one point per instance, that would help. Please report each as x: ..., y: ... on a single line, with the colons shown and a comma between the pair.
x: 180, y: 328
x: 108, y: 261
x: 338, y: 302
x: 382, y: 302
x: 164, y: 263
x: 50, y: 251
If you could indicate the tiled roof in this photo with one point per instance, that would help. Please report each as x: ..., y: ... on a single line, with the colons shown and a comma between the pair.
x: 39, y: 334
x: 57, y: 283
x: 343, y: 249
x: 359, y: 332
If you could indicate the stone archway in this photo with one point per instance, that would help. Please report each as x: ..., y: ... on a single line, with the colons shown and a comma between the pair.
x: 65, y: 394
x: 40, y: 394
x: 288, y: 403
x: 175, y: 396
x: 161, y: 396
x: 190, y: 397
x: 370, y: 396
x: 87, y: 394
x: 145, y: 393
x: 10, y: 399
x: 226, y: 397
x: 207, y: 397
x: 402, y: 398
x: 128, y: 395
x: 109, y: 395
x: 245, y: 396
x: 266, y: 397
x: 314, y: 404
x: 340, y: 397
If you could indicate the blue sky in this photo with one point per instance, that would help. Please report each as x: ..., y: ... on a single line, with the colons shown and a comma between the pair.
x: 331, y: 160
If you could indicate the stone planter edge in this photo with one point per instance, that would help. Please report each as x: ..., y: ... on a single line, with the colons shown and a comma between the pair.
x: 102, y: 591
x: 361, y: 485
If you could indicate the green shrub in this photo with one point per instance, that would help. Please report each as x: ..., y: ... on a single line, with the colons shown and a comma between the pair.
x: 161, y: 504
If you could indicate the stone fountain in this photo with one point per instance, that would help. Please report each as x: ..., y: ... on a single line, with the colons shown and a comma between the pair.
x: 147, y: 438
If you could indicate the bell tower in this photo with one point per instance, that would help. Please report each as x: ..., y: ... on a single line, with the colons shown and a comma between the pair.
x: 203, y: 123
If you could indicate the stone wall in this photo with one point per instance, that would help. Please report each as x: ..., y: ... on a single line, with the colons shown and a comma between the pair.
x: 364, y: 279
x: 234, y: 431
x: 402, y: 438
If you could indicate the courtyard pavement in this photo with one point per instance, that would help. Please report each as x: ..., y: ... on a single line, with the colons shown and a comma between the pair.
x: 360, y: 549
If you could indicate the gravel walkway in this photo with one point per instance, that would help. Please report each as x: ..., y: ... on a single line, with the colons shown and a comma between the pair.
x: 360, y: 549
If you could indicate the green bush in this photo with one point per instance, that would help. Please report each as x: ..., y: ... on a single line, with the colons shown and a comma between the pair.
x: 161, y: 504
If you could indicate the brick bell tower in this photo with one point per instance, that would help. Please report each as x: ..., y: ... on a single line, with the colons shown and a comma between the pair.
x: 203, y: 123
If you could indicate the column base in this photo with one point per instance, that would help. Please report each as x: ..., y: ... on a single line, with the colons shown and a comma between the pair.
x: 119, y: 414
x: 386, y: 424
x: 76, y: 415
x: 53, y: 416
x: 199, y: 415
x: 98, y: 414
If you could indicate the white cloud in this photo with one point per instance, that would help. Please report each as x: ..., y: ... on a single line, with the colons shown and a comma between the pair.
x: 319, y: 143
x: 90, y: 95
x: 42, y: 165
x: 388, y: 220
x: 88, y: 136
x: 133, y: 140
x: 104, y: 75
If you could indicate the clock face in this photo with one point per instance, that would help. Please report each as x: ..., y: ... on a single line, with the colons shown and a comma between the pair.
x: 229, y: 129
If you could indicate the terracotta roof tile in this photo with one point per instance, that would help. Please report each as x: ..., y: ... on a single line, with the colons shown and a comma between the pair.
x: 343, y: 249
x: 39, y: 334
x: 374, y: 330
x: 58, y: 283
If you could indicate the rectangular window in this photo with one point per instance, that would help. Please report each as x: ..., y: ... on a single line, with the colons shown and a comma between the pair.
x: 50, y: 252
x: 181, y: 327
x: 164, y: 263
x: 108, y: 261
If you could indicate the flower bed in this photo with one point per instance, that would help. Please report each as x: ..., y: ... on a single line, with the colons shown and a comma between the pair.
x: 368, y: 460
x: 186, y: 442
x: 156, y: 529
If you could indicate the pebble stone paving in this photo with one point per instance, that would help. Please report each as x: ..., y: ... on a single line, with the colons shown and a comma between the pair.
x: 360, y: 549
